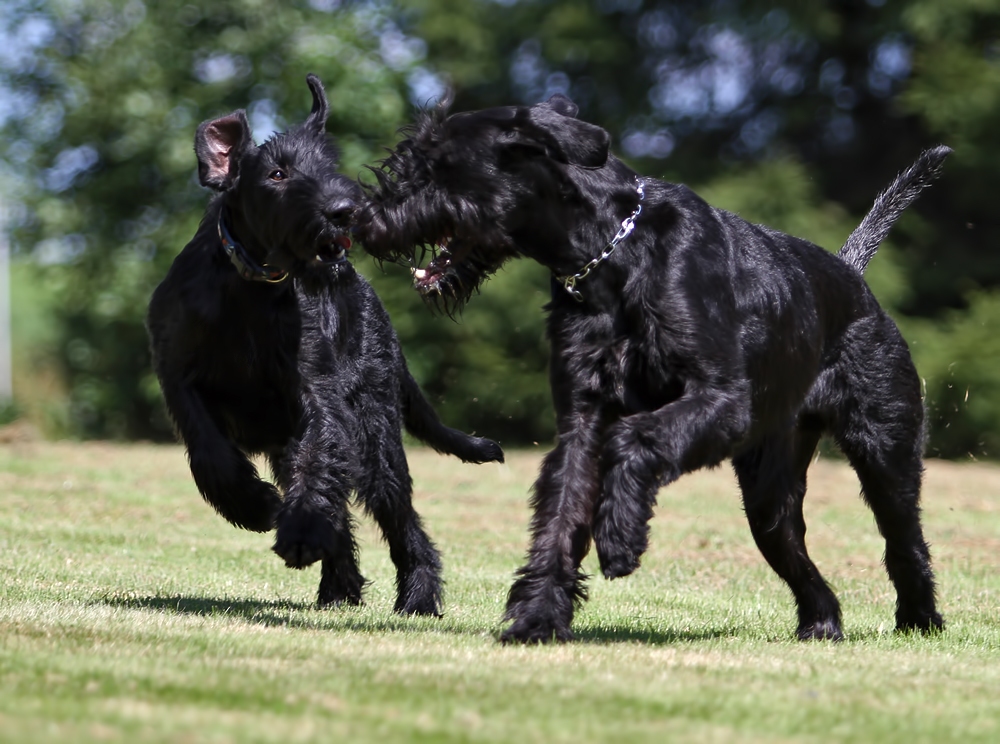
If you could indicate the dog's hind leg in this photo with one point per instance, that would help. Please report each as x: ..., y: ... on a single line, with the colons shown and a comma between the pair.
x: 223, y: 474
x: 386, y: 491
x: 881, y: 432
x: 772, y: 477
x: 894, y: 498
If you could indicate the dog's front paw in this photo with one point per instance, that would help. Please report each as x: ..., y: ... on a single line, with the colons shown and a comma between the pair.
x: 541, y: 607
x: 262, y: 504
x: 305, y: 535
x: 535, y: 630
x: 340, y: 585
x: 420, y: 592
x: 616, y: 560
x: 487, y: 450
x: 924, y: 621
x: 621, y: 521
x: 820, y: 630
x: 621, y: 534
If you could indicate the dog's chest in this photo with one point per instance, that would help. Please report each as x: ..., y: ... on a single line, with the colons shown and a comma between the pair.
x: 249, y: 349
x: 619, y: 368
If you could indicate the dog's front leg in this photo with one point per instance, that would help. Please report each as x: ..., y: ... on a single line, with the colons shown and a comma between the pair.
x: 550, y: 586
x: 645, y: 452
x: 225, y: 477
x: 314, y: 522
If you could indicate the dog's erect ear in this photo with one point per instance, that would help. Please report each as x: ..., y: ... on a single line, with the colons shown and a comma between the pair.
x: 219, y: 143
x: 565, y: 138
x: 320, y: 109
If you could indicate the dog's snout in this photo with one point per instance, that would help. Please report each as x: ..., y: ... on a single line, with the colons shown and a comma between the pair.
x: 340, y: 210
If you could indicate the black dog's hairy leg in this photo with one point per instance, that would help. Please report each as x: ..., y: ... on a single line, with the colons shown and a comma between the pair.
x: 386, y: 491
x: 340, y: 584
x: 223, y: 474
x: 883, y: 441
x: 772, y: 477
x: 893, y: 495
x: 313, y: 526
x: 645, y: 452
x: 551, y: 586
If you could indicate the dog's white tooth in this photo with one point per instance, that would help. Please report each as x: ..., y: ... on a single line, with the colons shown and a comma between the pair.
x: 419, y: 273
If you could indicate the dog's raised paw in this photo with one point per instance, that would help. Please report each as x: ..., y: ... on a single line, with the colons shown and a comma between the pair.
x: 297, y: 554
x: 616, y: 561
x: 304, y: 536
x: 619, y: 566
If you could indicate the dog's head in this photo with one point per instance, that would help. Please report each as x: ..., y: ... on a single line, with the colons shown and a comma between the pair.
x: 476, y: 189
x: 283, y: 200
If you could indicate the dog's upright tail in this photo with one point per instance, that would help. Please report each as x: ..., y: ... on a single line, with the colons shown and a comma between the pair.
x: 866, y: 238
x: 422, y: 421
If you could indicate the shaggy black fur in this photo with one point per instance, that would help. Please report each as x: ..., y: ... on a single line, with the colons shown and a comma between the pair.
x: 306, y: 371
x: 698, y: 337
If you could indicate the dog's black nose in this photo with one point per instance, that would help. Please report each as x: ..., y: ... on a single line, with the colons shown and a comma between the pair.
x: 339, y: 210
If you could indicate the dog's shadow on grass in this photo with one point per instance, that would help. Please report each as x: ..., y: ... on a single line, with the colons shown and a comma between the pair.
x: 650, y: 637
x: 305, y: 615
x: 272, y: 613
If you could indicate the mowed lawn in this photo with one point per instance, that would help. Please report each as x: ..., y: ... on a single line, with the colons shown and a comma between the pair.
x: 129, y: 611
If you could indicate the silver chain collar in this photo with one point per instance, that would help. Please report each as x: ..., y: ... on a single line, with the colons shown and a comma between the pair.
x: 628, y: 225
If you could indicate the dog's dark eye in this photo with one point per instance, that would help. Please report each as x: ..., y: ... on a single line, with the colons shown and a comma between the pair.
x: 277, y: 175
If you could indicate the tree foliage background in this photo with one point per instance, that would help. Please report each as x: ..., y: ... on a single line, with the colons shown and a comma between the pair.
x: 791, y: 113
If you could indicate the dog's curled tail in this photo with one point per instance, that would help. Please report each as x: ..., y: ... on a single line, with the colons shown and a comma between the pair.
x: 422, y: 421
x: 866, y: 238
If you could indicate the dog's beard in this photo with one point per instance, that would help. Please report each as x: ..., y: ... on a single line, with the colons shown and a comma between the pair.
x: 455, y: 271
x: 315, y: 262
x: 408, y: 218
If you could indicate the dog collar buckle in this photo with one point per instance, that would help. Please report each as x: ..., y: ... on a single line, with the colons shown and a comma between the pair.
x: 628, y: 225
x: 247, y: 268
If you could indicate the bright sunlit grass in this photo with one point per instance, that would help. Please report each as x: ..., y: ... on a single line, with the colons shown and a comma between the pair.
x: 130, y: 612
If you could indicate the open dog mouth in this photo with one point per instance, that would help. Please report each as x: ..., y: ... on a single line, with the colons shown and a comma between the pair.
x: 456, y: 269
x: 430, y: 279
x: 333, y: 251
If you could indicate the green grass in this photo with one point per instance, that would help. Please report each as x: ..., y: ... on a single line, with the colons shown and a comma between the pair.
x: 130, y: 612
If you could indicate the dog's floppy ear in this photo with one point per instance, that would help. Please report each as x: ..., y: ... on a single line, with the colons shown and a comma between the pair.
x: 219, y: 143
x: 566, y: 139
x: 320, y: 108
x: 562, y: 105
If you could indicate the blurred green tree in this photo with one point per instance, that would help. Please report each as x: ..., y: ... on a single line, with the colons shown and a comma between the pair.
x: 790, y: 113
x: 102, y: 102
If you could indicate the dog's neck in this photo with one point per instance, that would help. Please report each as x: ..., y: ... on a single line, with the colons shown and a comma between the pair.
x: 569, y: 281
x: 247, y: 267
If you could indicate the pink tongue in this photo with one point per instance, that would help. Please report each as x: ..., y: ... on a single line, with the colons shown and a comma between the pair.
x: 343, y: 241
